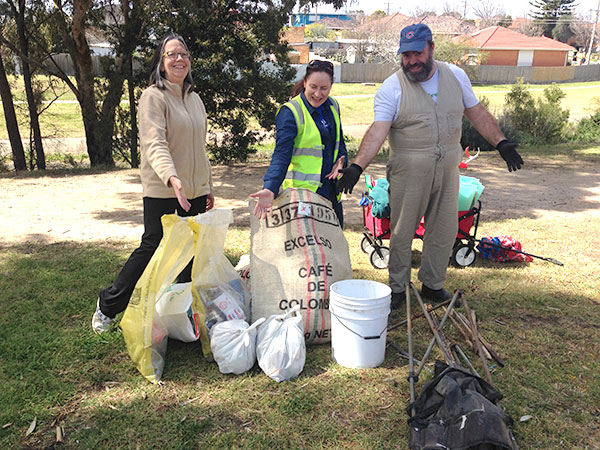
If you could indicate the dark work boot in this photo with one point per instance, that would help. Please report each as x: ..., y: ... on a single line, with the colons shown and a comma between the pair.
x: 398, y: 299
x: 435, y: 295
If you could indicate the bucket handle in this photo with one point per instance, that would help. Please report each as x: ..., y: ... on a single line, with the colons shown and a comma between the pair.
x: 366, y: 338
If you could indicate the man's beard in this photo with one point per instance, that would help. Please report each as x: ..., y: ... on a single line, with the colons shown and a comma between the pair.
x: 422, y: 74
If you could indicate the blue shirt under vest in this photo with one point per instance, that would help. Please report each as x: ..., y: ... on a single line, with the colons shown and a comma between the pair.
x: 286, y: 131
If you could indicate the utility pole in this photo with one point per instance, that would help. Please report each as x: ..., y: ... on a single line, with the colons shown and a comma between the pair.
x: 589, y: 53
x: 388, y: 8
x: 464, y: 9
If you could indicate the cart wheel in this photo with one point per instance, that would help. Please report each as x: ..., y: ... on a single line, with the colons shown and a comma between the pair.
x: 463, y: 255
x: 380, y: 257
x: 366, y: 246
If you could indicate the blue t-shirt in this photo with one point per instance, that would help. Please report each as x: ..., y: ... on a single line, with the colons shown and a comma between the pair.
x: 286, y: 131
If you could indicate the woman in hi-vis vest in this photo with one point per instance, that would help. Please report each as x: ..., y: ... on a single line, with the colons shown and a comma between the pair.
x: 309, y: 148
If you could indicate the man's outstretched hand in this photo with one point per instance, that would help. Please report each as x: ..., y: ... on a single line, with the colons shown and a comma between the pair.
x: 350, y: 176
x: 508, y: 151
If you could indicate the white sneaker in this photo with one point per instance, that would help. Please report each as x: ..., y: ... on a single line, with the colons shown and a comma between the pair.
x: 100, y: 322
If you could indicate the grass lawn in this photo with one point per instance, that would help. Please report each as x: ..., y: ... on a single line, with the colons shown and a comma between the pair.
x: 541, y: 318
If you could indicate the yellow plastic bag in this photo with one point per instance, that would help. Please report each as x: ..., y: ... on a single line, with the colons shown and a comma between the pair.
x: 203, y: 238
x: 144, y: 334
x: 218, y: 287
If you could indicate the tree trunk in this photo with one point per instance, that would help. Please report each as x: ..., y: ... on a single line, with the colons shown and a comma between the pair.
x: 99, y: 150
x: 112, y: 98
x: 40, y: 158
x: 12, y: 126
x: 33, y: 112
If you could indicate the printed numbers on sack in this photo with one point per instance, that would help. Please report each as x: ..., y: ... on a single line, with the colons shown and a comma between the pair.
x: 282, y: 215
x: 325, y: 215
x: 289, y: 212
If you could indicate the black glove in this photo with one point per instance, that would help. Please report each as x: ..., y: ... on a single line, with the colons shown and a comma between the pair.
x: 508, y: 151
x: 349, y: 179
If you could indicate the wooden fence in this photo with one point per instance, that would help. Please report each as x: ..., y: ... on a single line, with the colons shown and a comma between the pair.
x: 366, y: 73
x: 376, y: 73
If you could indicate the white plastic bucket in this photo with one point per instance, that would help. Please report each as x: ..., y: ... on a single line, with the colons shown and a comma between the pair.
x: 359, y: 317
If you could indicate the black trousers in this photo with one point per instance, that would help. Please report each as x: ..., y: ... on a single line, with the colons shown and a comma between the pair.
x: 114, y: 299
x: 337, y: 207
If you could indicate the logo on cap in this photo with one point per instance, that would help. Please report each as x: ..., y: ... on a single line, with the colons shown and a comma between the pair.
x: 410, y: 35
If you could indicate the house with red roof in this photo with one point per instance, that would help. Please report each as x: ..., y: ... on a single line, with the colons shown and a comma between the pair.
x: 505, y: 47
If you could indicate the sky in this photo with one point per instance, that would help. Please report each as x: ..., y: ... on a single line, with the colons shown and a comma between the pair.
x: 515, y: 8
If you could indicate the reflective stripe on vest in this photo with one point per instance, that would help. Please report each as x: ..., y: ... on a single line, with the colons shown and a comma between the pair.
x: 304, y: 170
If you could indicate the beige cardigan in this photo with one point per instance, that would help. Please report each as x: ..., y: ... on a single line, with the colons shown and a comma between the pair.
x: 173, y: 142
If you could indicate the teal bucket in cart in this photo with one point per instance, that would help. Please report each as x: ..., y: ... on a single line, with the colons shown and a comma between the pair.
x: 469, y: 191
x: 359, y: 319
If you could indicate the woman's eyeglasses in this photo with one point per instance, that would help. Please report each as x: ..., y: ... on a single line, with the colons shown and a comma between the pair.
x: 174, y: 55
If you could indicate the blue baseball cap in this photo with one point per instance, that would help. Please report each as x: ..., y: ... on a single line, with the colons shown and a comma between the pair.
x: 413, y: 38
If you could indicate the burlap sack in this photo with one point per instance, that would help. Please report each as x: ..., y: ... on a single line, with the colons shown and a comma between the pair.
x: 296, y: 255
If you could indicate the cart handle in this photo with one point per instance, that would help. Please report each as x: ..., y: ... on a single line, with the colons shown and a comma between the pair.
x: 464, y: 164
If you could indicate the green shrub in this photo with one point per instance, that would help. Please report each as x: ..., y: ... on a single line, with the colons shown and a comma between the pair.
x: 5, y: 163
x: 536, y: 121
x: 587, y: 129
x: 472, y: 139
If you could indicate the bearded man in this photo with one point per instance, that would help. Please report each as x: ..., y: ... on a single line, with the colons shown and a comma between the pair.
x: 420, y: 108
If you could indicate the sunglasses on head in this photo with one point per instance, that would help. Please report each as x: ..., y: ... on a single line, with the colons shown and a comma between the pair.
x: 319, y: 63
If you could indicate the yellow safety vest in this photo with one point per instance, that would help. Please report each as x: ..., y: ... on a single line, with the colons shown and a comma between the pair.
x: 304, y: 170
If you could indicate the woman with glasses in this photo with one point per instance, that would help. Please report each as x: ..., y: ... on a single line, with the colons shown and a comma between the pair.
x: 309, y: 147
x: 175, y: 170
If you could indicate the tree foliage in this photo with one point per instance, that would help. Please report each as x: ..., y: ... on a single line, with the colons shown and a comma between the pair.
x: 562, y: 31
x: 379, y: 14
x: 460, y: 54
x: 318, y: 31
x: 582, y: 32
x: 546, y: 13
x: 240, y: 67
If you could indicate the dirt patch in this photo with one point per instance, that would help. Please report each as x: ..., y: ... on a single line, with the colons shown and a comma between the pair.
x: 107, y: 206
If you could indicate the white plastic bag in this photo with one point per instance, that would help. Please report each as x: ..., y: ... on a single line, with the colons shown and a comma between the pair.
x: 280, y: 345
x: 233, y: 344
x: 176, y: 309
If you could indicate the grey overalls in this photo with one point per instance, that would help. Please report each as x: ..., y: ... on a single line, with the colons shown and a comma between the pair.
x: 423, y: 174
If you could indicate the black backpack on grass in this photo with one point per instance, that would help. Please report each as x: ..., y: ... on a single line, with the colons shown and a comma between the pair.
x: 458, y: 411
